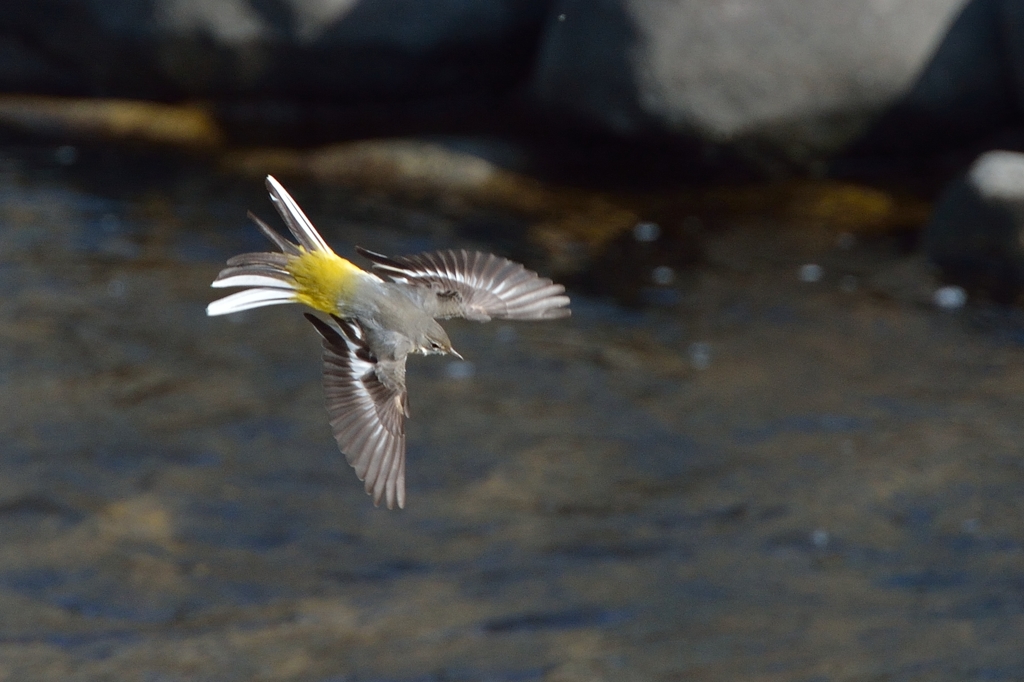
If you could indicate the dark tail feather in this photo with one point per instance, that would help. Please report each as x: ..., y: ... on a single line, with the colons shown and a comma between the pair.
x: 271, y: 234
x: 329, y: 334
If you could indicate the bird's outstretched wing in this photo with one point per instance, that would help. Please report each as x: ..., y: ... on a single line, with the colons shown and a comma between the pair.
x: 474, y: 285
x: 367, y: 405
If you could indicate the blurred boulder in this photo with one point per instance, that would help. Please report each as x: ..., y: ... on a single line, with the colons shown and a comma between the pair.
x: 796, y: 78
x: 773, y: 80
x: 976, y: 233
x: 314, y: 50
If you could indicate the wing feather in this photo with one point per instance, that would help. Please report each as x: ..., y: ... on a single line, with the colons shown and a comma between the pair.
x: 474, y: 285
x: 367, y: 417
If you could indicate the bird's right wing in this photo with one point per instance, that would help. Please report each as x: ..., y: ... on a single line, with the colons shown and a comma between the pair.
x: 474, y: 285
x: 367, y: 405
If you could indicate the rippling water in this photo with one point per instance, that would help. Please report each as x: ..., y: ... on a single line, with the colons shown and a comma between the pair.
x: 754, y: 477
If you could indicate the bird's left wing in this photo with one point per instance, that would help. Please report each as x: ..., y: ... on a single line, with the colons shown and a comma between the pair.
x: 474, y: 285
x: 367, y: 405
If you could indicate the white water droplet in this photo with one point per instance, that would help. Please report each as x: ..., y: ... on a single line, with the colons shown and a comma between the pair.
x: 646, y: 232
x: 810, y: 273
x: 663, y: 275
x: 700, y: 355
x: 950, y: 298
x: 460, y: 370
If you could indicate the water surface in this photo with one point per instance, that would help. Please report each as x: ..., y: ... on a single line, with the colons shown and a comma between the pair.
x: 750, y: 477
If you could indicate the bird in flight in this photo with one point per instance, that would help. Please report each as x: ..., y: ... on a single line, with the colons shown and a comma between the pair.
x: 375, y: 320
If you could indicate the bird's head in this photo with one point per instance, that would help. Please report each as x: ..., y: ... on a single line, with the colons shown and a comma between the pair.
x: 434, y: 341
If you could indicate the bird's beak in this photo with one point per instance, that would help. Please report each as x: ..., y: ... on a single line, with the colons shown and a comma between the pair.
x: 452, y: 351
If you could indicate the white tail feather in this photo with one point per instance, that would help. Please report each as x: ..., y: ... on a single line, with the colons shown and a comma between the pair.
x: 297, y: 221
x: 250, y: 298
x: 251, y: 281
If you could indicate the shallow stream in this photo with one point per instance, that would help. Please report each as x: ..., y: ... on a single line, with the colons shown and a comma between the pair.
x: 751, y: 477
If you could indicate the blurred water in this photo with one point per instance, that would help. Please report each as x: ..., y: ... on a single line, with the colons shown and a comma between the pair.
x: 752, y: 478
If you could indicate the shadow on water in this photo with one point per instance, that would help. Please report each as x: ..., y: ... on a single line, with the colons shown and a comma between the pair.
x: 754, y: 476
x: 558, y: 620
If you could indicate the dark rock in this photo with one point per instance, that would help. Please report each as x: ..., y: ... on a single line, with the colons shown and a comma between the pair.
x: 319, y: 50
x: 966, y: 90
x: 975, y: 233
x: 772, y: 80
x: 584, y: 69
x: 1011, y: 17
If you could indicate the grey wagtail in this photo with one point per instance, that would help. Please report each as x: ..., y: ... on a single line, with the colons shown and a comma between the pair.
x: 377, y: 323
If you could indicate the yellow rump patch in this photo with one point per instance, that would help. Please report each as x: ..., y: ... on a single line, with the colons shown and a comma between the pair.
x: 323, y: 277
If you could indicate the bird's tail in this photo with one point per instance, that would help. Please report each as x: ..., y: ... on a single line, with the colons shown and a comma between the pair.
x: 307, y: 272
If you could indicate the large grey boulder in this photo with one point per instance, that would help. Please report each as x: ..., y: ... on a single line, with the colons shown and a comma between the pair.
x: 976, y: 232
x: 312, y: 50
x: 801, y: 78
x: 797, y: 80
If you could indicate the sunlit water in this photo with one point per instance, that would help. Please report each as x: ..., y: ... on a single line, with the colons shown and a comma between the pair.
x: 760, y: 476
